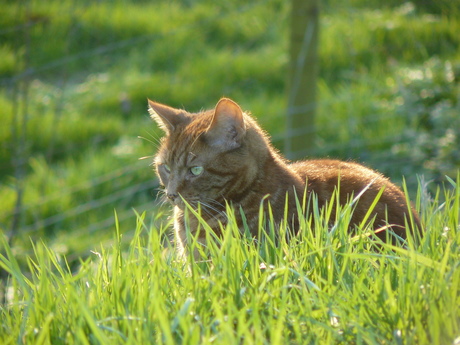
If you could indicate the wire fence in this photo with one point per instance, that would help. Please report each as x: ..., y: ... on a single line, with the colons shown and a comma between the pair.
x: 131, y: 188
x: 125, y: 188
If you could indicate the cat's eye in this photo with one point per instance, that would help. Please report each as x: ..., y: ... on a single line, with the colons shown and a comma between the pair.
x: 167, y: 168
x: 196, y: 171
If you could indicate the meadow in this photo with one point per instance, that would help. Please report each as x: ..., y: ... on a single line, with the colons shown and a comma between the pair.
x: 321, y: 287
x: 84, y: 254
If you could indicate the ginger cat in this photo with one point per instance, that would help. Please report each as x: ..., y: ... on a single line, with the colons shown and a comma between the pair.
x: 222, y: 156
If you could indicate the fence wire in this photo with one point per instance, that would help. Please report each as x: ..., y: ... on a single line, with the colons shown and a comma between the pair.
x: 126, y: 188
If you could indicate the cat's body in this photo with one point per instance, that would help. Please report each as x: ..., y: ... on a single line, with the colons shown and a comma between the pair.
x: 222, y: 156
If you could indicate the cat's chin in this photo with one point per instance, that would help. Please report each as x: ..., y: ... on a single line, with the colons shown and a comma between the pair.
x: 182, y: 205
x: 179, y: 204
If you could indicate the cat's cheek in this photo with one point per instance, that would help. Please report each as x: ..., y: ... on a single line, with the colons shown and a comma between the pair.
x: 197, y: 190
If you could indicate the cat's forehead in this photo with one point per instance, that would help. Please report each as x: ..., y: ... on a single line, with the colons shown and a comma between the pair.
x: 190, y: 126
x: 181, y: 154
x: 189, y: 131
x: 183, y: 144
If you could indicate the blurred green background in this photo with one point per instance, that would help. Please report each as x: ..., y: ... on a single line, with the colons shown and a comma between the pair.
x: 75, y: 77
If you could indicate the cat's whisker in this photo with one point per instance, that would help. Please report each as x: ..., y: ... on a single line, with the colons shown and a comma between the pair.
x: 216, y: 210
x: 209, y: 210
x: 155, y: 142
x: 216, y: 205
x: 161, y: 197
x: 214, y: 201
x: 146, y: 157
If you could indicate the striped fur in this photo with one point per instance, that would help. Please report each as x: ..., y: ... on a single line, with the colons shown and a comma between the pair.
x: 241, y: 168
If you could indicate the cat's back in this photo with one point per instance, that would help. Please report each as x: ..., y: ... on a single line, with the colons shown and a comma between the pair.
x: 328, y: 170
x: 323, y: 175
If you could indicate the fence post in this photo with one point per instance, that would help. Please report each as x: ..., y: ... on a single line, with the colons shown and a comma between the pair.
x: 303, y: 70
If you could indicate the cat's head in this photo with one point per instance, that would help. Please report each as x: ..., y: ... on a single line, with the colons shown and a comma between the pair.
x: 208, y: 157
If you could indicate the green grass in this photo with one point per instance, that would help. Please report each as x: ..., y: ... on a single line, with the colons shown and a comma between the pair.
x: 388, y: 96
x: 320, y: 288
x: 94, y: 64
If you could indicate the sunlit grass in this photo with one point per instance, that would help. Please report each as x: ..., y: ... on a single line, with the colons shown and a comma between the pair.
x: 95, y: 64
x: 320, y: 287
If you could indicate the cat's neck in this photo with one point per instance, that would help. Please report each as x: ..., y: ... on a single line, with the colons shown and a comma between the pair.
x: 273, y: 184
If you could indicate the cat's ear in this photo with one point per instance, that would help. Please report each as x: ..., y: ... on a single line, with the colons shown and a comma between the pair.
x: 166, y: 117
x: 227, y: 126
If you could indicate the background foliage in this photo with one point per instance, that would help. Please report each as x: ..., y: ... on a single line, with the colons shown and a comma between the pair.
x: 74, y: 79
x: 75, y: 75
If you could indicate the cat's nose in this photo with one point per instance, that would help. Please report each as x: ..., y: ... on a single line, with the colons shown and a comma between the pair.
x: 172, y: 196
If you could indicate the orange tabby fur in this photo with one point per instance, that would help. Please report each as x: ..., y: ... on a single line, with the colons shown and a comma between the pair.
x: 222, y: 156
